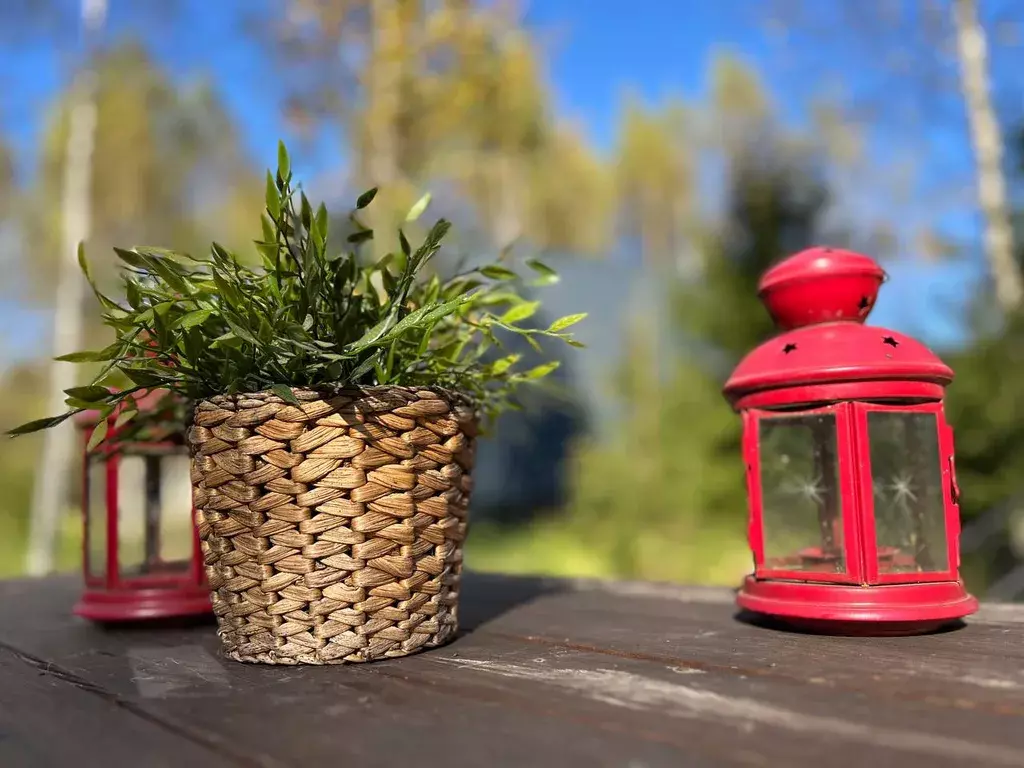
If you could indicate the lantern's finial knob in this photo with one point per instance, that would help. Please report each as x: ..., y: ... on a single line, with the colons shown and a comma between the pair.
x: 821, y: 285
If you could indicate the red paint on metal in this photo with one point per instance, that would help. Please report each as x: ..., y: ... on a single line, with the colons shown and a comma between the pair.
x: 831, y: 608
x: 845, y: 286
x: 827, y: 361
x: 870, y: 391
x: 111, y: 606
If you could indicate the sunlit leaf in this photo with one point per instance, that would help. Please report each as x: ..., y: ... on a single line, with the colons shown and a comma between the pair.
x: 540, y: 371
x: 564, y: 322
x: 521, y: 312
x: 501, y: 366
x: 418, y: 208
x: 273, y: 198
x: 284, y: 165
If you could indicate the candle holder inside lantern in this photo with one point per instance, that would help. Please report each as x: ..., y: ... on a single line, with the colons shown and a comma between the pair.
x: 141, y: 556
x: 854, y: 517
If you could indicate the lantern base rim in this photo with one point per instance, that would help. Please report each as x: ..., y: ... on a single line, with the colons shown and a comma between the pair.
x: 885, y: 609
x: 126, y: 605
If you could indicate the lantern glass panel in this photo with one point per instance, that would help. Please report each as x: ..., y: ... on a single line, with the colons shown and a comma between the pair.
x: 176, y: 532
x: 96, y: 516
x: 131, y: 517
x: 800, y: 499
x: 155, y: 513
x: 906, y: 475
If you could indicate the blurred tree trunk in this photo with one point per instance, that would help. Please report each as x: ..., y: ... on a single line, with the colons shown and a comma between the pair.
x: 169, y: 169
x: 988, y: 152
x: 907, y: 71
x: 383, y: 96
x: 655, y: 178
x: 55, y: 462
x: 132, y: 159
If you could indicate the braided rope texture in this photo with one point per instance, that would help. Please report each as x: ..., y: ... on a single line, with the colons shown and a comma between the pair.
x: 332, y: 531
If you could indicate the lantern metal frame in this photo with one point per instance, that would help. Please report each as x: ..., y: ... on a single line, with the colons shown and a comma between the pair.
x: 820, y: 299
x: 109, y: 595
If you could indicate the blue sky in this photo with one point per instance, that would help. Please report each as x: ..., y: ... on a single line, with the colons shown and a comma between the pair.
x: 597, y: 50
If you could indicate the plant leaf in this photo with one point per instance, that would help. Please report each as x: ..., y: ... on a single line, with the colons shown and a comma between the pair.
x: 372, y: 335
x: 92, y: 394
x: 131, y: 258
x: 521, y: 312
x: 321, y: 221
x: 360, y: 237
x: 273, y: 198
x: 100, y: 356
x: 540, y: 371
x: 498, y: 272
x: 192, y: 319
x: 284, y: 165
x: 501, y: 366
x: 365, y: 367
x: 418, y: 208
x: 564, y: 322
x: 40, y: 424
x: 83, y: 263
x: 366, y: 198
x: 125, y: 416
x: 98, y: 433
x: 285, y: 393
x: 547, y: 276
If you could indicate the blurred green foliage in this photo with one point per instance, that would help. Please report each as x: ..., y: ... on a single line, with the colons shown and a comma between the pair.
x: 663, y: 496
x: 452, y: 96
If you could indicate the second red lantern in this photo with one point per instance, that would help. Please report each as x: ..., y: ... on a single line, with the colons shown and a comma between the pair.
x: 141, y: 557
x: 854, y: 516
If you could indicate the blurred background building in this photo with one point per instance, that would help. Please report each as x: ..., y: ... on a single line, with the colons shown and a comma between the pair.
x: 659, y: 154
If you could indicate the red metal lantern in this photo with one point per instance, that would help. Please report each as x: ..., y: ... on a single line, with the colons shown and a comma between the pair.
x: 141, y: 556
x: 854, y: 518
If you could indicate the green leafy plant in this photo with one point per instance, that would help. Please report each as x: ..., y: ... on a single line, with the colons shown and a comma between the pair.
x: 309, y: 318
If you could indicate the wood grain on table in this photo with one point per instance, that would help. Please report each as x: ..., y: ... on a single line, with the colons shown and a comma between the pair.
x: 545, y: 673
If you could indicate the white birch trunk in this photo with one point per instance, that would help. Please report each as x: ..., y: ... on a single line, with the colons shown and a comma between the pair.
x: 54, y: 469
x: 988, y: 151
x: 383, y: 102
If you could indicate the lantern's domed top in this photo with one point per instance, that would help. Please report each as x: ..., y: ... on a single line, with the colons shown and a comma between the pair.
x: 820, y: 298
x: 821, y: 285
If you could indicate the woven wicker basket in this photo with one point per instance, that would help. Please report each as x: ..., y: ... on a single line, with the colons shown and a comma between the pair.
x: 332, y: 532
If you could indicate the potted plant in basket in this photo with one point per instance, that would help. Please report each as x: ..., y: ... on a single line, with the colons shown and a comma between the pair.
x: 334, y: 409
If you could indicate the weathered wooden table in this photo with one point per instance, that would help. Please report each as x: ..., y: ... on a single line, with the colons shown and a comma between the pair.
x: 546, y: 673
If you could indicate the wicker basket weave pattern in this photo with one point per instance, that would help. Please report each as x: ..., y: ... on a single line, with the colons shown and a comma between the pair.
x: 332, y: 531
